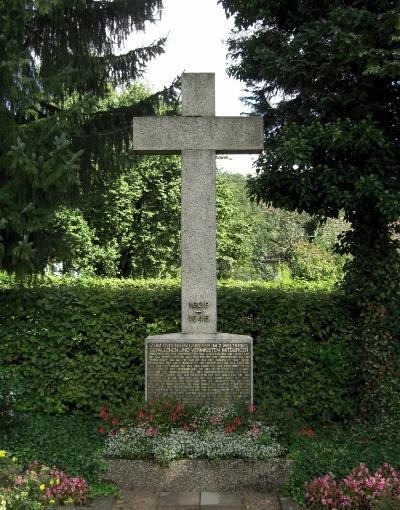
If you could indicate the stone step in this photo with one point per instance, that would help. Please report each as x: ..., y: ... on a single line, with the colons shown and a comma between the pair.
x: 199, y: 501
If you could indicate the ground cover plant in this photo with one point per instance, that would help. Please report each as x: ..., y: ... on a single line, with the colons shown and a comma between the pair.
x: 167, y: 431
x: 335, y: 451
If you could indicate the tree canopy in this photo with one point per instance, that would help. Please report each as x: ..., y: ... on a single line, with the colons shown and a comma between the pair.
x: 57, y: 60
x: 326, y: 76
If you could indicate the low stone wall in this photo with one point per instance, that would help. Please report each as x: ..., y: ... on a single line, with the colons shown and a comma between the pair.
x: 200, y: 475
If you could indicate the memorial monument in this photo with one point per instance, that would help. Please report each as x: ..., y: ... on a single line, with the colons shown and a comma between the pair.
x: 199, y: 366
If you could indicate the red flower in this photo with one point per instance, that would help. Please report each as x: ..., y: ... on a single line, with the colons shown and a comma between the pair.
x: 252, y: 409
x: 186, y: 426
x: 115, y: 421
x: 140, y: 414
x: 104, y: 413
x: 230, y: 428
x: 237, y: 421
x: 102, y: 430
x: 151, y: 418
x: 307, y: 432
x: 179, y: 407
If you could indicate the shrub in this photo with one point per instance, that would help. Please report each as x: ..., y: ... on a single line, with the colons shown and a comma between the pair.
x: 78, y: 344
x: 8, y: 390
x: 312, y: 263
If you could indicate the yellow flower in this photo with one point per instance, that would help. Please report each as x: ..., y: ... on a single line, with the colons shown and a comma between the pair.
x: 52, y: 501
x: 42, y: 487
x: 3, y: 453
x: 14, y: 459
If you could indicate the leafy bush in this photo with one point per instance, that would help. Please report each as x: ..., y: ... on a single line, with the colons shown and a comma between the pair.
x: 8, y: 390
x: 312, y: 263
x: 78, y: 344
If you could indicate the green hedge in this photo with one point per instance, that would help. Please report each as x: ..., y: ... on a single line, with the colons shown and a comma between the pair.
x: 77, y: 344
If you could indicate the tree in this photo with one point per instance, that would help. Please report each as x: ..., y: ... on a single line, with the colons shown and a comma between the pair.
x: 57, y: 58
x: 332, y: 144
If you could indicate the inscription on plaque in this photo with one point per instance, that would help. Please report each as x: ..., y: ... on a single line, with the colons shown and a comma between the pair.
x: 199, y: 373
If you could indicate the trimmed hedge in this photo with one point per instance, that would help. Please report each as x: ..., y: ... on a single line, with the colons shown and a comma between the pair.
x: 77, y: 344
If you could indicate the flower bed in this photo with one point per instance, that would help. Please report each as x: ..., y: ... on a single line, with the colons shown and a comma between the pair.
x: 38, y: 486
x: 172, y: 446
x: 167, y: 431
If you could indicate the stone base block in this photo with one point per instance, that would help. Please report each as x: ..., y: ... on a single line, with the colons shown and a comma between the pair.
x: 214, y: 369
x: 200, y: 475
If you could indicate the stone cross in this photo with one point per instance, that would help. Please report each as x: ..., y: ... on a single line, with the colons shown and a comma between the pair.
x: 198, y: 135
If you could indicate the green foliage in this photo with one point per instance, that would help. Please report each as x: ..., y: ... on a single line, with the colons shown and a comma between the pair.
x: 78, y: 344
x: 312, y: 263
x: 8, y: 391
x: 338, y: 452
x: 68, y: 442
x: 332, y: 145
x: 57, y: 134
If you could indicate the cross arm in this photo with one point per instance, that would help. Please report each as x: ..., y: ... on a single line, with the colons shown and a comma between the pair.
x: 171, y: 135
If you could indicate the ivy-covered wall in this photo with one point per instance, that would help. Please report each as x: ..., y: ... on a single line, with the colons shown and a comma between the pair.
x: 77, y: 344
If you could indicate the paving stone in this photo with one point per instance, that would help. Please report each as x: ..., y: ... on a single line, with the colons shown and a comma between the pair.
x: 179, y: 501
x: 220, y: 500
x: 288, y: 503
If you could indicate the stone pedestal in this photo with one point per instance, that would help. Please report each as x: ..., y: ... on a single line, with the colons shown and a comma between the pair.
x: 213, y: 369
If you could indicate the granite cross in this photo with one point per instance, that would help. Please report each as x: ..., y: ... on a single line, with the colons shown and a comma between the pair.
x: 198, y: 135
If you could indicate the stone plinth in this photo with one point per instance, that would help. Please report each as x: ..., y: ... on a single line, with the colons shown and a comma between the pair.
x: 214, y: 369
x: 233, y: 475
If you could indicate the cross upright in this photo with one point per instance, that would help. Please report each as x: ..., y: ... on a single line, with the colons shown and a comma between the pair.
x: 198, y: 135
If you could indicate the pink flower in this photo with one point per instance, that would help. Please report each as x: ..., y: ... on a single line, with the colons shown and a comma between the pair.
x: 255, y: 429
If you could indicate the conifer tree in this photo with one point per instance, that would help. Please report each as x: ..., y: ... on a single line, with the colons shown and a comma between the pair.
x: 57, y: 59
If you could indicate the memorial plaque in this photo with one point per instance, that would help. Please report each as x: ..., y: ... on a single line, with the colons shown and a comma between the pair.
x: 199, y: 373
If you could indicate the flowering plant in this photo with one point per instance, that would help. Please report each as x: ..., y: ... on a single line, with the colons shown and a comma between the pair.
x: 360, y: 490
x: 166, y: 415
x: 170, y: 430
x: 38, y: 486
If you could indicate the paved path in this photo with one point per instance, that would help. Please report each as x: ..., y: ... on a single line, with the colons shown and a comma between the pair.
x: 153, y: 500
